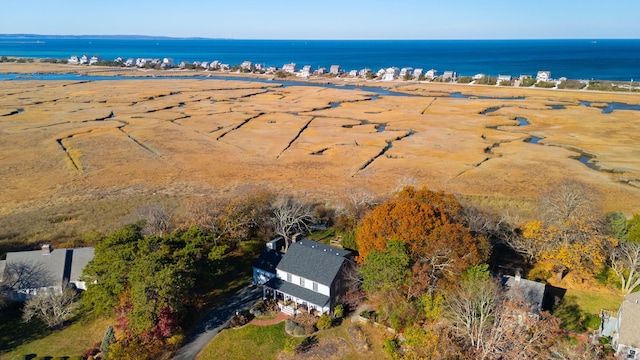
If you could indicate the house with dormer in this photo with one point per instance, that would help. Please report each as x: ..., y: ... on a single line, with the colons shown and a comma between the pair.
x: 626, y: 337
x: 309, y: 277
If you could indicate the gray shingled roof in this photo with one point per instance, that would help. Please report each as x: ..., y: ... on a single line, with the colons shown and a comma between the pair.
x: 629, y: 321
x: 298, y: 291
x: 313, y: 262
x: 323, y: 247
x: 531, y: 291
x: 268, y: 260
x: 58, y: 265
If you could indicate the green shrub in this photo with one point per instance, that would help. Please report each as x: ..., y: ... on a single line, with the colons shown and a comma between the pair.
x: 545, y: 84
x: 390, y: 347
x: 526, y: 82
x: 338, y: 311
x: 291, y: 345
x: 592, y: 322
x: 464, y: 79
x: 324, y: 322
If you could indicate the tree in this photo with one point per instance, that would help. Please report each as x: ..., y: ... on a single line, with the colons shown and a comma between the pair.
x: 108, y: 339
x: 570, y: 233
x: 290, y: 217
x: 158, y: 219
x: 430, y: 224
x: 386, y: 271
x: 491, y: 325
x: 625, y: 258
x: 52, y: 307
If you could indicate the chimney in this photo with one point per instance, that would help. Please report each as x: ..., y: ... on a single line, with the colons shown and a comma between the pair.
x: 518, y: 275
x: 295, y: 237
x: 46, y: 249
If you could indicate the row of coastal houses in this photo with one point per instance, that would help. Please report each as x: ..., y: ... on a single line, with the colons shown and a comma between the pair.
x: 384, y: 74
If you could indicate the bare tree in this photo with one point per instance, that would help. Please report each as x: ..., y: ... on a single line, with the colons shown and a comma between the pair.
x: 24, y: 274
x: 52, y: 307
x: 158, y: 219
x: 291, y: 217
x: 358, y: 201
x: 625, y: 262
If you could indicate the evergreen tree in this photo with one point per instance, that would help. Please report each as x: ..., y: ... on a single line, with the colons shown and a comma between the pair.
x: 108, y: 339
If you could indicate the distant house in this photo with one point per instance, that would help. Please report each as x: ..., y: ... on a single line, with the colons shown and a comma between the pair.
x: 247, y: 65
x: 197, y: 64
x: 391, y: 74
x: 417, y: 73
x: 449, y: 76
x: 290, y: 68
x: 431, y: 74
x: 271, y: 69
x: 364, y: 72
x: 405, y: 71
x: 478, y: 76
x: 335, y: 70
x: 502, y: 78
x: 94, y: 60
x: 168, y: 62
x: 130, y: 62
x: 214, y: 65
x: 353, y: 73
x: 381, y: 72
x: 205, y: 65
x: 74, y: 60
x: 184, y: 64
x: 259, y: 67
x: 84, y: 60
x: 626, y: 338
x: 28, y: 273
x: 543, y: 76
x: 308, y: 277
x: 306, y: 71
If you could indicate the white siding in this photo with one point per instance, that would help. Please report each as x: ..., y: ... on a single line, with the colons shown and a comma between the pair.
x: 308, y: 284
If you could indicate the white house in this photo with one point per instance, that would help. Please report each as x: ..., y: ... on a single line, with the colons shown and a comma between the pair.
x: 74, y: 60
x: 431, y: 74
x: 543, y: 76
x: 246, y: 65
x: 451, y: 76
x: 405, y: 71
x: 168, y: 62
x: 84, y: 60
x: 214, y: 65
x: 364, y: 72
x: 391, y: 74
x: 353, y: 73
x: 308, y: 277
x: 28, y: 273
x: 626, y: 338
x: 130, y: 62
x: 504, y: 78
x: 417, y: 72
x: 478, y: 76
x: 381, y: 72
x: 306, y: 71
x: 290, y: 68
x: 335, y: 70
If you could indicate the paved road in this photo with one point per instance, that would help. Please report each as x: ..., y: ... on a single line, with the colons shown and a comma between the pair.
x: 217, y: 319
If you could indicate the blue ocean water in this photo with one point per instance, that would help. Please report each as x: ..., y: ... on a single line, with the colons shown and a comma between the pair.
x: 574, y: 59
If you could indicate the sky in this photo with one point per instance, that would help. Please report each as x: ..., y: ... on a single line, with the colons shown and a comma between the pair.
x: 328, y: 19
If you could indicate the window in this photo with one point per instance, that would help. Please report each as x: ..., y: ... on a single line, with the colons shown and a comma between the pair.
x: 315, y: 286
x: 302, y: 282
x: 289, y: 277
x: 632, y: 354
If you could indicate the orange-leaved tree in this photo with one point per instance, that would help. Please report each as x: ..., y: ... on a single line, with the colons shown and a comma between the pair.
x: 431, y: 225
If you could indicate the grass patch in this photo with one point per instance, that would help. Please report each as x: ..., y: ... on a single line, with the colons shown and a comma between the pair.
x: 249, y: 342
x: 592, y: 300
x: 323, y: 236
x: 14, y: 332
x: 70, y: 341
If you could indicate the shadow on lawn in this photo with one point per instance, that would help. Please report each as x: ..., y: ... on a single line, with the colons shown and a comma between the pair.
x: 14, y: 332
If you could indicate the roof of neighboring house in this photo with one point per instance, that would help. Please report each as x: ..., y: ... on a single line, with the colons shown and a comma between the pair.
x: 298, y: 291
x: 629, y: 321
x: 314, y: 261
x: 57, y: 266
x: 268, y: 260
x: 531, y: 291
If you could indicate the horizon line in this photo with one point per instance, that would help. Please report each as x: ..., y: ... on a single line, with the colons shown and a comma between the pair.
x: 165, y: 37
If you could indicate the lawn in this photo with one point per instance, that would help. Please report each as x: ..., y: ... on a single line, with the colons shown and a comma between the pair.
x: 249, y: 342
x: 71, y: 341
x: 266, y: 342
x: 592, y: 300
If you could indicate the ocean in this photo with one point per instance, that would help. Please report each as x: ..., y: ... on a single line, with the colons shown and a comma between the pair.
x: 573, y: 59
